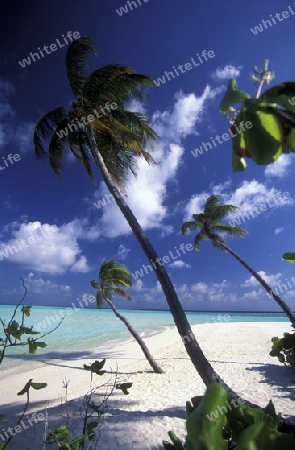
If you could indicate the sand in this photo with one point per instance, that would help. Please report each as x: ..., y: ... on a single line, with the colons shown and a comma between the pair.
x: 239, y: 352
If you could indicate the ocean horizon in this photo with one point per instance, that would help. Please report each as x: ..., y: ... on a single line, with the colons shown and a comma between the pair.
x: 88, y: 329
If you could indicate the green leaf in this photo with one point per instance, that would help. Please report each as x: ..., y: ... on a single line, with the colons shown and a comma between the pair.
x: 38, y: 386
x: 289, y: 257
x: 33, y: 345
x: 90, y: 430
x: 264, y: 140
x: 26, y: 310
x: 60, y: 433
x: 232, y: 95
x: 205, y: 423
x: 124, y: 387
x: 14, y: 330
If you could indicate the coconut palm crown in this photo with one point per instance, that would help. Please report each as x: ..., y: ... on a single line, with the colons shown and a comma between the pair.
x: 120, y: 135
x: 208, y: 223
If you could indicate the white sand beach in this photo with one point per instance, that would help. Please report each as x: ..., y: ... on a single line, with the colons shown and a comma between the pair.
x: 156, y: 403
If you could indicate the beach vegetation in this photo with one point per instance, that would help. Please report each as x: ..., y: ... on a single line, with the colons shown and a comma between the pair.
x: 114, y: 278
x: 213, y: 424
x: 209, y: 226
x: 284, y: 349
x: 271, y: 113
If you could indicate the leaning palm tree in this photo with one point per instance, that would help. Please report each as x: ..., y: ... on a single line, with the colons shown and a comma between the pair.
x: 112, y: 277
x: 209, y: 226
x: 112, y: 142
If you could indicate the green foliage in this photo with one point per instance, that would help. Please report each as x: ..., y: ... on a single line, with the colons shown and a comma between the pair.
x: 213, y: 423
x: 289, y: 257
x: 29, y: 385
x: 271, y: 119
x: 232, y: 96
x: 284, y: 349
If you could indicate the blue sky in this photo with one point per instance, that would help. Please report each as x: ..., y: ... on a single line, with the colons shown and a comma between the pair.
x: 73, y: 236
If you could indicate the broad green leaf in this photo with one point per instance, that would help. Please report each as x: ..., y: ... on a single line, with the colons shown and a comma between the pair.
x: 264, y: 140
x: 38, y: 386
x: 232, y: 95
x: 26, y: 310
x: 238, y: 163
x: 14, y: 330
x: 289, y: 257
x: 205, y: 424
x: 33, y: 345
x: 282, y: 94
x: 90, y: 430
x: 60, y: 433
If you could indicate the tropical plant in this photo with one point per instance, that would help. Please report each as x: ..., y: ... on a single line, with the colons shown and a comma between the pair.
x: 214, y: 424
x: 270, y: 116
x: 209, y: 225
x: 284, y: 349
x: 113, y: 142
x: 112, y: 277
x: 14, y: 332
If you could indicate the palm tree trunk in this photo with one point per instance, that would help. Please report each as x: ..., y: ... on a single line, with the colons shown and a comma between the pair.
x: 202, y: 365
x: 137, y: 337
x: 263, y: 283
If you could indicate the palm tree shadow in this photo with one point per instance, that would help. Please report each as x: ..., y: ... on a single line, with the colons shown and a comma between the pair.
x: 282, y: 378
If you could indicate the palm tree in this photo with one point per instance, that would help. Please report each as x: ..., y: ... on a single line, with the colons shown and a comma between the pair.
x: 208, y: 223
x: 110, y: 277
x: 113, y: 142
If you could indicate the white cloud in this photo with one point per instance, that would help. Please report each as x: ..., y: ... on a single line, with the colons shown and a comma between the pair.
x: 270, y: 279
x: 278, y: 230
x: 44, y: 247
x: 279, y: 167
x: 146, y: 195
x: 226, y: 72
x: 249, y: 197
x: 122, y: 252
x: 179, y: 264
x: 45, y: 287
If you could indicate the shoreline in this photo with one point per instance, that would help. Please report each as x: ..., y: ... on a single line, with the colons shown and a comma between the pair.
x: 239, y: 352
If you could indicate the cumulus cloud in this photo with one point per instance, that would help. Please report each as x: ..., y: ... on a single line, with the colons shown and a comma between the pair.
x: 45, y: 287
x: 123, y: 252
x: 226, y: 72
x: 248, y: 196
x: 44, y: 247
x: 270, y: 279
x: 280, y: 167
x: 146, y: 195
x: 179, y: 264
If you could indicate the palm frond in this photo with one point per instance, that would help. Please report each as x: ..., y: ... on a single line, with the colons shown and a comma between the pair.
x: 46, y: 127
x: 121, y: 293
x: 80, y: 148
x: 201, y: 236
x: 58, y: 147
x: 189, y: 226
x: 115, y: 83
x: 76, y: 66
x: 229, y: 230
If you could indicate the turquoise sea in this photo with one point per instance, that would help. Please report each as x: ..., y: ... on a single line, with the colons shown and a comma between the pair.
x: 86, y: 329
